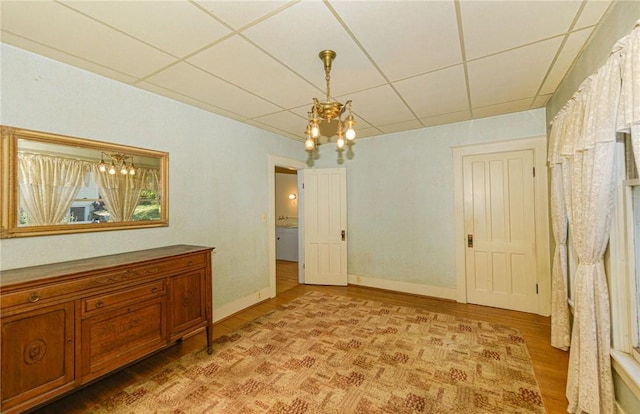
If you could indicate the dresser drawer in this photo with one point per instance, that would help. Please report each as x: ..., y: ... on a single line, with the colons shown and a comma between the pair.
x: 167, y: 266
x: 38, y: 294
x: 132, y: 294
x: 188, y: 262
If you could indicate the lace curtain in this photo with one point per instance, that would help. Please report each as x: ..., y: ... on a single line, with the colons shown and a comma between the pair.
x: 629, y: 110
x: 47, y: 186
x: 121, y: 192
x: 560, y: 329
x: 582, y: 152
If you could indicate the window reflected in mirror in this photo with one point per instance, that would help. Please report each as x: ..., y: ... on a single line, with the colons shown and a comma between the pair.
x: 61, y: 184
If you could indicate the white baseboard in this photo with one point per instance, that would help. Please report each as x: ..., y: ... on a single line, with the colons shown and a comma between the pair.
x: 236, y: 306
x: 404, y: 287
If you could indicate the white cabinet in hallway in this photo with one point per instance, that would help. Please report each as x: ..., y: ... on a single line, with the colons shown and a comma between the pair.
x: 287, y: 243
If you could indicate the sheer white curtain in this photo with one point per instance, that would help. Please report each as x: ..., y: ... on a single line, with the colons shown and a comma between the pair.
x: 589, y: 382
x: 121, y: 192
x: 629, y: 113
x: 560, y: 314
x: 47, y: 186
x: 582, y: 150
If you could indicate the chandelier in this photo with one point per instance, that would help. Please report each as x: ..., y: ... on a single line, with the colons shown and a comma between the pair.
x: 118, y: 163
x: 325, y: 115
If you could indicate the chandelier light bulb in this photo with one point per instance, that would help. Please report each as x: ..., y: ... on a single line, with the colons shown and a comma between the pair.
x: 112, y: 169
x: 124, y: 170
x: 350, y: 134
x: 309, y: 144
x: 132, y: 170
x: 340, y: 142
x: 102, y: 166
x: 315, y: 131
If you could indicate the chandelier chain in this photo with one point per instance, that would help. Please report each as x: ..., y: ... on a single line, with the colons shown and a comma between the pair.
x: 328, y: 79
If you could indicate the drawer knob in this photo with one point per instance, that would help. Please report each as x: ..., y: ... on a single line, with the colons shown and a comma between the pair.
x: 34, y: 297
x: 99, y: 304
x: 190, y: 262
x: 154, y: 289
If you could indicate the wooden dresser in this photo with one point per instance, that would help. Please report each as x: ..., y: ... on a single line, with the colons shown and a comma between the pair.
x: 66, y: 324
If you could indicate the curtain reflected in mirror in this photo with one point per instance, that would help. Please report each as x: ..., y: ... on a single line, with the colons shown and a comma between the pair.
x: 59, y: 184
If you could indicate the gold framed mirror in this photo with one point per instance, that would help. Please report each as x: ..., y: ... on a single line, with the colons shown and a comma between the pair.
x: 54, y: 184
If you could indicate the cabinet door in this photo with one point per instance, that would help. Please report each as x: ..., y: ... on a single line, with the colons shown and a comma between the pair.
x: 111, y: 339
x: 287, y: 244
x: 37, y: 354
x: 187, y: 302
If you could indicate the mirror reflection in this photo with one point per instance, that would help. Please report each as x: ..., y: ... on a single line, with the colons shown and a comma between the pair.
x: 62, y: 184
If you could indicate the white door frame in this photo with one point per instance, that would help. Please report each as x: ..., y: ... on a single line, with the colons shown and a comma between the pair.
x: 541, y: 195
x: 273, y: 161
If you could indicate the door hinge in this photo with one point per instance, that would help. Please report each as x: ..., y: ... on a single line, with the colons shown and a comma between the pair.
x: 536, y: 288
x: 534, y: 171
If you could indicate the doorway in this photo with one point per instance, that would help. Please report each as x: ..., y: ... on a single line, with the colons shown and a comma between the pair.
x: 288, y: 268
x: 287, y: 240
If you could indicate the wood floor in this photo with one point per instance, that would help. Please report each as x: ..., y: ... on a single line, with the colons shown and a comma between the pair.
x: 550, y: 364
x: 286, y: 276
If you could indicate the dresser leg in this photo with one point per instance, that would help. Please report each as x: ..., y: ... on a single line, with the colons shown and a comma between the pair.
x: 210, y: 338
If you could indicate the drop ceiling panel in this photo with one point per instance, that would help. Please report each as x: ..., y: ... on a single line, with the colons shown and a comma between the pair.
x: 426, y: 31
x: 285, y: 121
x: 253, y: 70
x: 592, y: 13
x: 187, y: 100
x: 177, y: 27
x: 66, y: 30
x: 490, y: 27
x: 503, y: 108
x: 435, y: 93
x: 380, y: 106
x: 401, y: 126
x: 447, y: 118
x: 191, y: 81
x: 240, y: 13
x: 566, y: 57
x: 296, y: 35
x: 510, y: 75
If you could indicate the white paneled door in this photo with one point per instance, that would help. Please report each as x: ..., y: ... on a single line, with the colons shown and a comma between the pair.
x: 499, y: 223
x: 325, y: 226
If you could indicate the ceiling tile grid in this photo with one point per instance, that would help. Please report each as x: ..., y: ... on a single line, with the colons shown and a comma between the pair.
x: 405, y: 65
